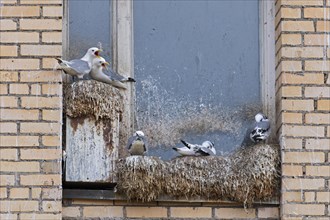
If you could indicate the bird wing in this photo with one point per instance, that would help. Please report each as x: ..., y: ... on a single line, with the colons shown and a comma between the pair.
x: 184, y: 151
x: 80, y: 66
x: 116, y: 76
x: 100, y: 76
x: 204, y: 151
x: 130, y: 141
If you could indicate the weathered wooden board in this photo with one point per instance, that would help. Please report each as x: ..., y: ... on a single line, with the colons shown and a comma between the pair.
x: 91, y: 149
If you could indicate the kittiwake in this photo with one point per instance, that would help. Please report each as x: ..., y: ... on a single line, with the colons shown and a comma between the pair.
x: 206, y: 149
x: 82, y: 66
x: 137, y: 144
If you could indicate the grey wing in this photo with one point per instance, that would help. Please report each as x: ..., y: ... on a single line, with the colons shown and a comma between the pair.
x: 264, y: 125
x: 80, y: 66
x: 204, y: 151
x: 130, y: 142
x: 144, y: 139
x: 247, y: 140
x: 114, y: 76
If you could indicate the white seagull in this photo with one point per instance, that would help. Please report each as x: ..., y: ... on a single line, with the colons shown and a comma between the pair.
x: 206, y: 149
x: 137, y: 144
x: 79, y: 67
x: 100, y: 72
x: 261, y: 130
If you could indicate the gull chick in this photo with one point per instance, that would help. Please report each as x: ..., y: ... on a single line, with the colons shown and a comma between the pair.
x: 261, y: 130
x: 101, y: 73
x: 206, y: 149
x: 137, y: 144
x: 79, y: 67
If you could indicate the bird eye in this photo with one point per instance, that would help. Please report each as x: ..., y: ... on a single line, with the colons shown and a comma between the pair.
x: 93, y: 50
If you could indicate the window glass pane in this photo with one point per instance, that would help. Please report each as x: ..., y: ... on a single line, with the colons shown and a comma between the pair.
x: 89, y: 26
x: 197, y: 71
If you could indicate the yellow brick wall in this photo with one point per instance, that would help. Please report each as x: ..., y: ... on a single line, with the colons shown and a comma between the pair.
x: 30, y: 110
x: 303, y: 92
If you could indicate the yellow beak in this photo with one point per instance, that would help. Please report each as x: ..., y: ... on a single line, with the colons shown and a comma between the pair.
x: 106, y: 65
x: 97, y: 52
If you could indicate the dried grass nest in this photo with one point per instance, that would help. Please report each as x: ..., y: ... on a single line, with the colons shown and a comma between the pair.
x: 248, y: 175
x: 92, y: 98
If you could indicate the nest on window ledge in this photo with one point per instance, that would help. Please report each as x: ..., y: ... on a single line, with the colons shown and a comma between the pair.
x: 91, y: 98
x: 248, y: 175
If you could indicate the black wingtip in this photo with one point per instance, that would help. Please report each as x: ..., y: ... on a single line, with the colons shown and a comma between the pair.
x: 59, y: 60
x: 185, y: 143
x: 174, y: 148
x: 130, y: 79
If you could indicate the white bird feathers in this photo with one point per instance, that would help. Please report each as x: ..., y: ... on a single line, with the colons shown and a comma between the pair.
x: 79, y: 67
x: 137, y: 144
x: 206, y: 149
x: 261, y: 130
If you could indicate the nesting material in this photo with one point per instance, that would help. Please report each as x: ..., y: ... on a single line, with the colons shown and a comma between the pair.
x: 92, y: 98
x: 248, y: 175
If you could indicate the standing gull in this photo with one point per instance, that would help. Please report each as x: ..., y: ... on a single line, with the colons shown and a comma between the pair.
x: 206, y: 149
x: 100, y: 72
x: 79, y: 67
x: 137, y: 144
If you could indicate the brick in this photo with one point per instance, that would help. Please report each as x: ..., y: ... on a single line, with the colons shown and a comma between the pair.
x: 50, y: 63
x: 304, y: 209
x: 317, y: 118
x: 302, y: 2
x: 103, y: 211
x: 291, y: 170
x: 19, y: 89
x: 290, y: 143
x: 51, y: 206
x: 290, y: 39
x: 39, y: 216
x: 51, y: 193
x: 3, y: 89
x: 8, y: 2
x: 231, y: 213
x: 41, y: 180
x: 298, y: 184
x: 297, y: 26
x: 317, y: 144
x: 323, y: 26
x: 7, y: 180
x: 51, y: 141
x: 35, y: 89
x: 290, y: 12
x: 40, y: 127
x: 70, y: 212
x: 317, y: 39
x: 8, y: 216
x: 8, y: 51
x: 146, y: 212
x: 289, y: 117
x: 309, y: 196
x: 317, y: 65
x: 3, y: 192
x: 52, y: 89
x: 19, y: 37
x: 43, y: 2
x: 191, y: 212
x: 316, y: 78
x: 35, y: 193
x: 19, y: 193
x: 323, y: 13
x: 323, y: 104
x: 52, y: 37
x: 318, y: 171
x: 19, y: 11
x: 8, y: 101
x: 7, y: 25
x: 10, y: 76
x: 273, y: 212
x: 328, y: 132
x: 301, y: 52
x: 323, y: 196
x: 19, y: 206
x: 51, y: 167
x: 52, y: 115
x: 52, y: 11
x: 291, y: 91
x: 41, y: 76
x: 6, y: 166
x: 41, y: 24
x: 303, y: 157
x: 41, y: 50
x: 292, y: 196
x: 290, y: 65
x: 41, y: 102
x: 8, y: 127
x: 19, y: 64
x: 317, y: 92
x: 18, y: 114
x: 44, y: 154
x: 8, y: 154
x: 84, y: 202
x: 19, y: 141
x: 294, y: 105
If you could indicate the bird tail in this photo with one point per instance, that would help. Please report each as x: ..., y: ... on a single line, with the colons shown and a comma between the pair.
x: 130, y: 79
x: 59, y: 60
x: 175, y: 148
x: 185, y: 144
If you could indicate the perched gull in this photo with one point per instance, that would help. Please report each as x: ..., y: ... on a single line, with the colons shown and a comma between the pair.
x: 100, y: 72
x: 137, y: 144
x: 259, y: 131
x: 206, y: 149
x: 79, y: 67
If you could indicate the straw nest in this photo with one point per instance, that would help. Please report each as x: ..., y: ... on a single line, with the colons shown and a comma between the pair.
x: 92, y: 98
x: 248, y: 175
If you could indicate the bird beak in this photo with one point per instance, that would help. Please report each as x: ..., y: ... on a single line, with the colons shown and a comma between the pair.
x: 97, y: 53
x: 105, y: 65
